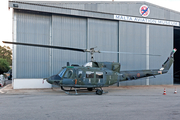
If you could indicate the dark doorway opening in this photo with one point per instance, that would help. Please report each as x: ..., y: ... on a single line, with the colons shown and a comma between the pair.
x: 177, y: 55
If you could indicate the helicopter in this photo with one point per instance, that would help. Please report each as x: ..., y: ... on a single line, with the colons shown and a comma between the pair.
x: 95, y: 75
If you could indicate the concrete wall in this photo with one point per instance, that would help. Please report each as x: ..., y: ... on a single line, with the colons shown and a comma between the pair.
x: 30, y: 83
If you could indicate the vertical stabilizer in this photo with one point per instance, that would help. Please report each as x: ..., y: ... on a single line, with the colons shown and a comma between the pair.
x: 167, y: 64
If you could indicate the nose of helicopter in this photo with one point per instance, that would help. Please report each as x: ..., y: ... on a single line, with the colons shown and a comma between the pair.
x: 49, y: 80
x: 53, y: 78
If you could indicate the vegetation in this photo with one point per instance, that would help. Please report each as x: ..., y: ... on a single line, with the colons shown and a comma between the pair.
x: 5, y: 58
x: 4, y: 66
x: 6, y: 53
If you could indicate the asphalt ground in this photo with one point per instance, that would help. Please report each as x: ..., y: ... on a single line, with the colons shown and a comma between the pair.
x: 123, y: 103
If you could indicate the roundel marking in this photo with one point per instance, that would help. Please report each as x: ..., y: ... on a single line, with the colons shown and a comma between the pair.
x: 138, y: 75
x: 144, y: 10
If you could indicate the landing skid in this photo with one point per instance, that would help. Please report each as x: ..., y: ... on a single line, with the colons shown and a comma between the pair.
x: 71, y: 89
x: 87, y: 93
x: 69, y: 92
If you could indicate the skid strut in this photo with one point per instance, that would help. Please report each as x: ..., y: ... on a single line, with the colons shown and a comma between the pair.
x: 75, y: 91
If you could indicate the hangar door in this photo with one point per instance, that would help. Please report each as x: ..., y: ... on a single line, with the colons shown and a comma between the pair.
x: 71, y: 32
x: 31, y: 62
x: 103, y: 34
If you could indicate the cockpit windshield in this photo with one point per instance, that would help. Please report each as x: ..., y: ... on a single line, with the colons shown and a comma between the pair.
x: 66, y: 73
x: 61, y: 73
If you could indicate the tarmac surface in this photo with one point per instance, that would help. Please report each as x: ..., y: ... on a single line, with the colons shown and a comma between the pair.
x: 124, y: 103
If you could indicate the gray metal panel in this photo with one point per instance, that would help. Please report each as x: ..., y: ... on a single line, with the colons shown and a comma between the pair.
x: 70, y: 32
x: 99, y: 9
x: 133, y: 82
x: 157, y: 12
x: 124, y: 8
x: 75, y: 5
x: 32, y: 62
x: 133, y: 39
x: 65, y: 11
x: 104, y: 35
x: 175, y: 16
x: 161, y: 42
x: 90, y: 7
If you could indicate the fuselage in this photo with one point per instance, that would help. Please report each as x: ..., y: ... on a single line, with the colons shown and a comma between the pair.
x: 93, y: 77
x: 84, y: 77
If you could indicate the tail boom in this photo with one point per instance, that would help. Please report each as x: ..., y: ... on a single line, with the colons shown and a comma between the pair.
x: 136, y: 74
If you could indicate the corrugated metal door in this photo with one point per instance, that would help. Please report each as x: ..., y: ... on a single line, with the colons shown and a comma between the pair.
x: 104, y: 35
x: 31, y: 62
x: 160, y: 43
x: 132, y: 39
x: 70, y: 32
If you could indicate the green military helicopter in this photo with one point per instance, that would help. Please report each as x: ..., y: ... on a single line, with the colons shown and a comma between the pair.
x: 95, y: 75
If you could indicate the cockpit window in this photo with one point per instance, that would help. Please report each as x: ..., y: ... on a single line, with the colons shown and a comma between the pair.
x: 68, y: 74
x: 99, y: 74
x: 89, y: 74
x: 80, y: 74
x: 62, y: 72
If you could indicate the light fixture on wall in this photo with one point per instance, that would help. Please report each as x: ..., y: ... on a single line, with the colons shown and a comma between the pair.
x: 15, y: 5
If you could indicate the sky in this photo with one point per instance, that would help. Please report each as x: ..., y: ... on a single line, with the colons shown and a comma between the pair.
x: 6, y: 14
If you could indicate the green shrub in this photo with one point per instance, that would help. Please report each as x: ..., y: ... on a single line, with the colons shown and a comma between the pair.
x: 4, y: 65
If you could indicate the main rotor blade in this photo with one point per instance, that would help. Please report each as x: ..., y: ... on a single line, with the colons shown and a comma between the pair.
x: 127, y: 53
x: 73, y: 49
x: 46, y: 46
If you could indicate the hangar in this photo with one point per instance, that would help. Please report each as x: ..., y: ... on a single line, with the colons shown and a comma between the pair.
x: 137, y: 27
